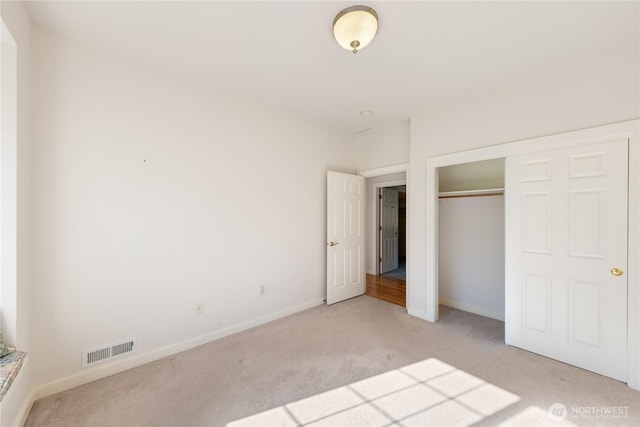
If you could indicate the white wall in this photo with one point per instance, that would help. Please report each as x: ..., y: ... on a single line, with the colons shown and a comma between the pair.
x: 371, y: 216
x: 17, y: 326
x: 471, y: 254
x: 151, y: 195
x: 381, y: 147
x: 601, y: 89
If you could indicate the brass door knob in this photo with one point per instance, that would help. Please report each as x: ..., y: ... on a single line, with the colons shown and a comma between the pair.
x: 617, y: 272
x: 333, y: 243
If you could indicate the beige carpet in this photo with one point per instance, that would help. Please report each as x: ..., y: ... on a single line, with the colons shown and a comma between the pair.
x: 359, y: 362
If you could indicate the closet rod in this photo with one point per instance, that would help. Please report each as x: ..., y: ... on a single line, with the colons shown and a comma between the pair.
x: 471, y: 193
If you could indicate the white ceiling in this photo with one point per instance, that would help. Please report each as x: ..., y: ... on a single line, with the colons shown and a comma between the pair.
x: 283, y: 53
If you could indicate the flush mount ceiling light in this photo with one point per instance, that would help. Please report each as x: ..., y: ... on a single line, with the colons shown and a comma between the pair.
x: 355, y: 27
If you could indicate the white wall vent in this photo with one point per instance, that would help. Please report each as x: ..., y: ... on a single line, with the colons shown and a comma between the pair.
x: 107, y: 352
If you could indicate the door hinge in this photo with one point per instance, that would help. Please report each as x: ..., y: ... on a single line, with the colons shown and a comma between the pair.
x: 380, y: 259
x: 379, y: 196
x: 380, y: 228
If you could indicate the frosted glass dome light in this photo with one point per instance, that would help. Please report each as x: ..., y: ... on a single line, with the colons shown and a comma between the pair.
x: 355, y: 27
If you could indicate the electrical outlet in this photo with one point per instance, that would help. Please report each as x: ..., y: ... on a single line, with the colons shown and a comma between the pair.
x: 261, y: 290
x: 199, y: 309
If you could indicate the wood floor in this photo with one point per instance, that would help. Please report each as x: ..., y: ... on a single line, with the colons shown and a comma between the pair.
x: 387, y: 289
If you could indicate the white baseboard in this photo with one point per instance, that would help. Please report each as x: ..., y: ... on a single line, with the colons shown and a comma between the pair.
x: 473, y: 309
x: 136, y: 360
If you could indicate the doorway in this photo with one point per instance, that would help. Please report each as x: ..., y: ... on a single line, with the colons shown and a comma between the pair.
x: 386, y: 250
x: 352, y: 213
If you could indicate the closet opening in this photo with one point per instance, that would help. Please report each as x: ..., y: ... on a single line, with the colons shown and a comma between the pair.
x: 471, y: 248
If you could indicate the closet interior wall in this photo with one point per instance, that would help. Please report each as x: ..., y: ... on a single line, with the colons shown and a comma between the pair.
x: 471, y: 237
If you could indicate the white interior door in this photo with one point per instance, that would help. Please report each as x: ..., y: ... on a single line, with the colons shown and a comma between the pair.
x: 345, y: 236
x: 566, y: 255
x: 388, y: 229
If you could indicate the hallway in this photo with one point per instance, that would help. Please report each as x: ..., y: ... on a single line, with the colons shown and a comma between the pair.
x: 388, y: 289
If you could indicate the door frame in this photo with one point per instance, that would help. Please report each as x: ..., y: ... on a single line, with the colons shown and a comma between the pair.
x: 388, y: 170
x: 629, y: 130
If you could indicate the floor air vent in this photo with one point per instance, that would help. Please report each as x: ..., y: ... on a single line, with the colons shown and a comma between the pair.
x: 103, y: 353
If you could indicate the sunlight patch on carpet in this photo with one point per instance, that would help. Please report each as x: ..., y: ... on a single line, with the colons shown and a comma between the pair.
x: 429, y: 392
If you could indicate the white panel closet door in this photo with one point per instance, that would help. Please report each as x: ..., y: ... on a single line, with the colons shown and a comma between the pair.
x: 389, y: 204
x: 566, y: 233
x: 345, y: 237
